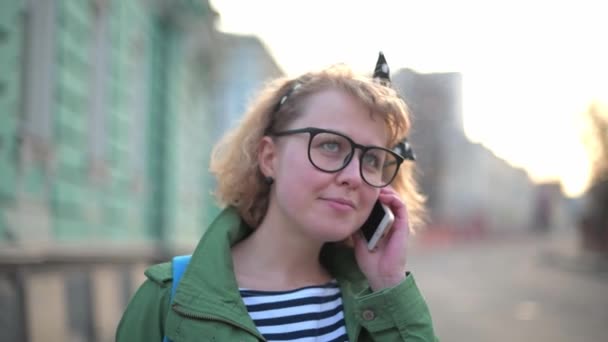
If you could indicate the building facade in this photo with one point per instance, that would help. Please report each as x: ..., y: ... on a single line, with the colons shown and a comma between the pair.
x: 469, y: 188
x: 108, y: 115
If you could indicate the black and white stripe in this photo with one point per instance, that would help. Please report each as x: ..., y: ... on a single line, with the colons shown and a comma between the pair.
x: 308, y: 314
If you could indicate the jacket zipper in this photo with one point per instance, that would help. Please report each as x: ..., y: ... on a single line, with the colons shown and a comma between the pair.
x: 189, y: 314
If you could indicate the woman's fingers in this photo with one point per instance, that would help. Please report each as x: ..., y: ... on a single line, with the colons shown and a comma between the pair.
x: 400, y: 229
x: 395, y: 204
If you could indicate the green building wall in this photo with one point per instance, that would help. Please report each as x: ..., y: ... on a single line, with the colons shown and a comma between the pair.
x: 10, y: 96
x: 106, y: 129
x: 157, y: 190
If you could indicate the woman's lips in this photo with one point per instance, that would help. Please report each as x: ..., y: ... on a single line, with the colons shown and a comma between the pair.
x: 339, y: 203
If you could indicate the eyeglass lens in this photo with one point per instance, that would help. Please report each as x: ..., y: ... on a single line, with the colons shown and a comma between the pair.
x: 331, y: 152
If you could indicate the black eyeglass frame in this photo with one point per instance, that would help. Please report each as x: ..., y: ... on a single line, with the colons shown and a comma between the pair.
x: 313, y: 131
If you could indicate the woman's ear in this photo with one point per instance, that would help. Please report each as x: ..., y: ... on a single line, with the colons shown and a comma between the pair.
x: 267, y: 153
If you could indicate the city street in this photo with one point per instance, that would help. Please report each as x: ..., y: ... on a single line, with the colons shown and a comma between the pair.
x: 528, y: 288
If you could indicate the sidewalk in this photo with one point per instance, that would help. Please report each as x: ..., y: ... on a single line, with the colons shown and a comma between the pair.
x: 562, y: 249
x: 559, y: 248
x: 517, y: 287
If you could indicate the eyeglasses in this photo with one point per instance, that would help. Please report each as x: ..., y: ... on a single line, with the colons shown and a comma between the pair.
x: 330, y: 151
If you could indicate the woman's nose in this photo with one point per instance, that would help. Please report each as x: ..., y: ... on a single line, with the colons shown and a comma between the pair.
x: 351, y: 174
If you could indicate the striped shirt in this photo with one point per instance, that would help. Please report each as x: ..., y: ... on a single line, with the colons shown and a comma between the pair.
x: 307, y: 314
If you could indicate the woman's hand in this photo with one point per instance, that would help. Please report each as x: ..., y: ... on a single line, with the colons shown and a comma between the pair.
x: 386, y: 266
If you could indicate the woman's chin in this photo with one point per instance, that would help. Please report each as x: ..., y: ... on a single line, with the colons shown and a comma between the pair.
x: 348, y: 242
x: 332, y: 231
x: 339, y: 236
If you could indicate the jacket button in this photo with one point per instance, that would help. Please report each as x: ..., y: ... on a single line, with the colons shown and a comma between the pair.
x: 368, y: 315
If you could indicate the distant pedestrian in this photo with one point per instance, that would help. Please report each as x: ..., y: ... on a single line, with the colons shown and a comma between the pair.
x: 542, y: 219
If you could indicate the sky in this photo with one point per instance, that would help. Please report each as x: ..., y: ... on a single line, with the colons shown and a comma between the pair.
x: 530, y: 68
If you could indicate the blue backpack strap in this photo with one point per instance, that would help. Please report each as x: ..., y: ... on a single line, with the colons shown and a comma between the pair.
x: 179, y: 265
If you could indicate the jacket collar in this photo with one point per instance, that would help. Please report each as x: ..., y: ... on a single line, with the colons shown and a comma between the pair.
x: 209, y: 288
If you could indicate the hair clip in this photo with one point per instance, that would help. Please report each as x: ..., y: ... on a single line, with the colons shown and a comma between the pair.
x: 404, y: 149
x: 284, y: 98
x: 382, y: 72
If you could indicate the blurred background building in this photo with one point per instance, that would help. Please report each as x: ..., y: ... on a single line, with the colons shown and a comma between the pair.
x: 109, y: 112
x: 470, y: 191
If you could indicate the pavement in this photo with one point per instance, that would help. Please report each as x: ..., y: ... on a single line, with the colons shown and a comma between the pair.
x: 525, y: 287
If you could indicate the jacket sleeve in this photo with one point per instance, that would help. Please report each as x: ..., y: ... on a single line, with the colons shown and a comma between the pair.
x: 399, y: 313
x: 143, y: 320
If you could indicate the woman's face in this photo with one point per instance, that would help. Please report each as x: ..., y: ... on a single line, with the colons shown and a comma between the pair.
x: 326, y: 206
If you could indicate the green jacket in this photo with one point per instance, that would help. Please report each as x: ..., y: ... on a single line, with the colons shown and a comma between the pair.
x: 208, y: 306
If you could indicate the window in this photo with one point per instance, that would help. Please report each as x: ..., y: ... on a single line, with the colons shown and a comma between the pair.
x: 100, y: 82
x: 138, y: 108
x: 38, y: 79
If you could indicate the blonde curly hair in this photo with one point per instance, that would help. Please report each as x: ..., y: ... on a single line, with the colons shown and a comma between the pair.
x: 234, y: 160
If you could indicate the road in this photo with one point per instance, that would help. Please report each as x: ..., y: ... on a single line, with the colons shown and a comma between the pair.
x: 519, y: 289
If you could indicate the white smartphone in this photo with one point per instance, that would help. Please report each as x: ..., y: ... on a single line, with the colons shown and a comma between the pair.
x: 377, y: 225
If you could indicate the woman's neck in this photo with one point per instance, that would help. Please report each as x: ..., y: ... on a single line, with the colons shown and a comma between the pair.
x: 278, y: 257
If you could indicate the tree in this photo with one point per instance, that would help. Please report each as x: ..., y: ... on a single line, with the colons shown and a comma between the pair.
x: 597, y: 141
x: 594, y: 218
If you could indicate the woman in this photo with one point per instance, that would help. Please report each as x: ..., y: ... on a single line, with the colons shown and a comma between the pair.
x: 285, y: 260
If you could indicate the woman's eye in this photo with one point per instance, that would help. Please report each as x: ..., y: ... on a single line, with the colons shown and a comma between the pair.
x: 371, y: 161
x: 331, y: 146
